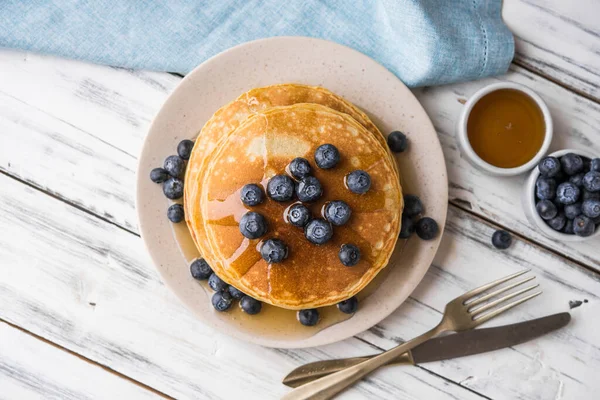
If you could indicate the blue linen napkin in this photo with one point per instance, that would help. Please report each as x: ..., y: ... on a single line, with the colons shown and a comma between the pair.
x: 424, y: 42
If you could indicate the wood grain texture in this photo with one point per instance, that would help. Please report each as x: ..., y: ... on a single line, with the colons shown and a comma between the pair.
x: 576, y: 122
x: 90, y: 287
x: 543, y: 368
x: 32, y: 369
x: 103, y: 181
x: 558, y: 39
x: 74, y: 130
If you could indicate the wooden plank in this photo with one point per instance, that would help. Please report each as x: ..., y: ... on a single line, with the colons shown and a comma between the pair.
x: 32, y: 369
x: 60, y: 138
x: 67, y: 162
x: 558, y: 39
x: 559, y: 365
x: 90, y: 287
x: 499, y: 199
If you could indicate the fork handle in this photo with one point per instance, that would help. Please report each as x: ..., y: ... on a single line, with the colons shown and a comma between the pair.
x: 330, y: 385
x: 318, y: 369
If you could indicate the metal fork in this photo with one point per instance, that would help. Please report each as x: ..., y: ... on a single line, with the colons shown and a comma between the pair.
x: 463, y: 313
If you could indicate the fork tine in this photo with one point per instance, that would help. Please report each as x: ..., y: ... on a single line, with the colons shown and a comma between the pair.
x: 481, y: 299
x: 490, y: 315
x: 490, y: 285
x: 494, y: 303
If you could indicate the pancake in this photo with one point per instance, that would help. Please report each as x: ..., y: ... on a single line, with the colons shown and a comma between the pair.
x: 229, y: 117
x: 261, y: 147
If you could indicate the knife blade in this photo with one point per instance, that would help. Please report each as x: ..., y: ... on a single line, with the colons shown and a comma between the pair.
x: 452, y: 346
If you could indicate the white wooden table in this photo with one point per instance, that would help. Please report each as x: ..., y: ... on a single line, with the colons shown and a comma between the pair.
x: 83, y: 313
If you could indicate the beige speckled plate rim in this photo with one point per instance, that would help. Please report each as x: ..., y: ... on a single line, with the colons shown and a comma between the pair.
x: 425, y: 161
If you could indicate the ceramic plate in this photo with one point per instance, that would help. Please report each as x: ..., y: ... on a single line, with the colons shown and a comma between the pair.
x: 309, y: 61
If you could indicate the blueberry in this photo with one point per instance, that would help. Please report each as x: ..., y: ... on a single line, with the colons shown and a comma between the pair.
x: 407, y: 228
x: 298, y: 215
x: 253, y: 225
x: 572, y: 210
x: 300, y: 168
x: 327, y: 156
x: 348, y: 306
x: 216, y: 283
x: 558, y: 222
x: 235, y: 293
x: 546, y: 209
x: 274, y: 251
x: 587, y: 164
x: 591, y: 208
x: 590, y: 195
x: 309, y: 189
x: 549, y: 167
x: 173, y: 188
x: 571, y: 163
x: 250, y: 306
x: 567, y: 193
x: 222, y: 301
x: 174, y: 165
x: 349, y: 255
x: 318, y: 231
x: 568, y: 228
x: 337, y: 212
x: 397, y: 141
x: 175, y: 213
x: 412, y: 205
x: 583, y: 226
x: 252, y: 195
x: 501, y: 240
x: 595, y: 165
x: 200, y: 269
x: 427, y: 228
x: 184, y: 149
x: 308, y: 317
x: 545, y: 188
x: 577, y: 179
x: 591, y: 181
x: 358, y: 181
x: 280, y: 188
x: 159, y: 175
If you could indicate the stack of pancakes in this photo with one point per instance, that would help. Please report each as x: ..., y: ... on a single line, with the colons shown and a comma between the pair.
x: 254, y: 138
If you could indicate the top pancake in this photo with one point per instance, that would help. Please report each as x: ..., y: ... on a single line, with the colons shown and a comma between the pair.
x: 232, y: 115
x: 262, y: 147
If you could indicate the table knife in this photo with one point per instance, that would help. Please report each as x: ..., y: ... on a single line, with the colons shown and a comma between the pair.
x: 451, y: 346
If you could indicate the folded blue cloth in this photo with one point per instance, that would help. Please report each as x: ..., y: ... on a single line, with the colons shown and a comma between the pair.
x: 424, y: 42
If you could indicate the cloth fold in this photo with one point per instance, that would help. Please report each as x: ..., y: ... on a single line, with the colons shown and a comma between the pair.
x: 424, y: 42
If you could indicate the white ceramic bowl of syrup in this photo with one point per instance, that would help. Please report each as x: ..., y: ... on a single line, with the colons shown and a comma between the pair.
x: 528, y: 201
x: 542, y: 145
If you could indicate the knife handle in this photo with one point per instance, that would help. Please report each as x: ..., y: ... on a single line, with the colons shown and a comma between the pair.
x: 318, y: 369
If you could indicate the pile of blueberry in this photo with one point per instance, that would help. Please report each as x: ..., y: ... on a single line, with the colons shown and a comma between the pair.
x: 425, y: 227
x: 301, y: 185
x: 567, y: 194
x: 225, y: 294
x: 171, y: 176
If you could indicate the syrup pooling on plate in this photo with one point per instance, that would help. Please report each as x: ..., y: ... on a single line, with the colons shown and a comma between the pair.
x: 275, y: 322
x: 262, y: 148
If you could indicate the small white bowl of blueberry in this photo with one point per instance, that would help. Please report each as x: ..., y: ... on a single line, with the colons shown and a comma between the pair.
x: 562, y: 195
